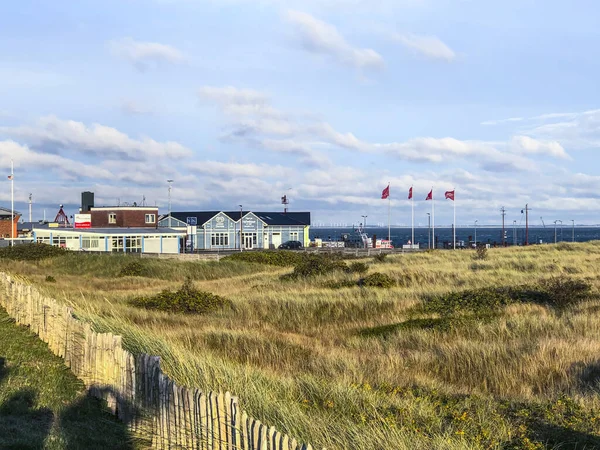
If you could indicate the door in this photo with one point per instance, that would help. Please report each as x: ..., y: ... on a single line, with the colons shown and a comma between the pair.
x: 276, y: 240
x: 248, y: 241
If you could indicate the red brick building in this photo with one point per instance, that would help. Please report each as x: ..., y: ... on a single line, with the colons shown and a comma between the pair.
x: 124, y: 217
x: 5, y: 223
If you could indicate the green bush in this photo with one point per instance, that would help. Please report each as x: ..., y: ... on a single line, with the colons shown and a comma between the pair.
x: 381, y: 257
x: 273, y: 258
x: 316, y: 265
x: 379, y: 280
x: 31, y: 252
x: 359, y: 268
x: 340, y: 284
x: 134, y: 269
x: 558, y: 292
x: 50, y: 279
x: 481, y: 252
x: 187, y: 300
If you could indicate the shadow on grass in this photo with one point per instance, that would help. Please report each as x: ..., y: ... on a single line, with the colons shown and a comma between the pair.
x: 557, y: 436
x: 587, y: 376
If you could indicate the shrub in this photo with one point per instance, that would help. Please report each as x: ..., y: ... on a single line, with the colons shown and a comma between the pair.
x: 340, y: 284
x: 187, y: 300
x: 563, y: 292
x: 380, y: 257
x: 315, y: 265
x: 379, y: 280
x: 359, y: 267
x: 50, y: 279
x: 481, y: 252
x: 134, y: 269
x: 273, y: 258
x: 31, y: 252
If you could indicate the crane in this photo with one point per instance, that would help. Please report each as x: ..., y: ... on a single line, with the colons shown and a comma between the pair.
x: 542, y: 219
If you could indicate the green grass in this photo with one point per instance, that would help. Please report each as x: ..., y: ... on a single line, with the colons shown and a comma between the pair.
x: 43, y: 405
x: 347, y: 366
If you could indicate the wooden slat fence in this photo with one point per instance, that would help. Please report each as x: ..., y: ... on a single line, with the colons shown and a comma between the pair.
x: 134, y: 387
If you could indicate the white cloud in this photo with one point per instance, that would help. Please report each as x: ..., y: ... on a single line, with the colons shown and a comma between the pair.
x: 143, y: 54
x: 236, y: 170
x: 526, y: 144
x: 134, y: 108
x: 53, y: 134
x: 322, y: 38
x: 429, y: 46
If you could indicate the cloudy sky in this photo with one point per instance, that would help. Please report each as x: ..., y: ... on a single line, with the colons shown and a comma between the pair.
x: 242, y: 101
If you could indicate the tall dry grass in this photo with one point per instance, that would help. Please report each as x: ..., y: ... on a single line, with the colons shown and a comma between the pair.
x: 363, y: 367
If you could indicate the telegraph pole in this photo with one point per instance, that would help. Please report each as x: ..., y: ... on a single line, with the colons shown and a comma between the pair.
x: 503, y: 215
x: 30, y: 202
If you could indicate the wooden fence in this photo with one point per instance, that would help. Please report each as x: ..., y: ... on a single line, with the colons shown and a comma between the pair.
x: 134, y: 387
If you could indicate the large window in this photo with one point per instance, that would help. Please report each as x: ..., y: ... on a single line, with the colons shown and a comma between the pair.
x: 293, y: 236
x: 219, y: 239
x: 112, y: 218
x: 133, y: 244
x: 150, y: 218
x: 59, y: 241
x: 90, y: 243
x: 117, y: 244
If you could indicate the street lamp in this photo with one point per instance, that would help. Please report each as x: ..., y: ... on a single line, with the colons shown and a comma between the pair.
x: 241, y: 227
x: 555, y: 222
x: 428, y: 230
x: 475, y: 234
x: 561, y: 230
x: 364, y: 221
x: 573, y: 236
x: 514, y: 232
x: 169, y: 181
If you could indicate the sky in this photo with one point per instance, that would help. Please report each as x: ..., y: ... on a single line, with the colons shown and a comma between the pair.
x: 325, y: 101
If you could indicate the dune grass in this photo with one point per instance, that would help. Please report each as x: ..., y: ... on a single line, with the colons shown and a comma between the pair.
x: 43, y: 405
x: 346, y: 366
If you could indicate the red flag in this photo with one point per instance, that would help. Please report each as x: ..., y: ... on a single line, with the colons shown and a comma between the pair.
x: 410, y: 193
x: 430, y: 195
x: 450, y: 195
x: 10, y: 177
x: 386, y: 192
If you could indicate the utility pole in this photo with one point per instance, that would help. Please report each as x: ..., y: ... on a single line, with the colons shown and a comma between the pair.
x: 573, y: 235
x: 503, y: 215
x: 364, y: 221
x: 475, y: 234
x: 514, y: 232
x: 555, y: 222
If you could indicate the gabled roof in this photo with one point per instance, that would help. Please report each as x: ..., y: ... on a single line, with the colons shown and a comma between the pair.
x: 270, y: 218
x: 6, y: 213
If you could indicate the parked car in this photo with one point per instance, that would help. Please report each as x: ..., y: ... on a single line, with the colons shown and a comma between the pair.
x: 291, y: 245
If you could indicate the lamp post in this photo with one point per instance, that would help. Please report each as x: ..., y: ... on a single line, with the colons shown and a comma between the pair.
x: 555, y: 222
x: 475, y: 234
x: 573, y: 235
x: 169, y: 181
x: 429, y: 230
x: 241, y: 227
x: 561, y: 230
x: 364, y: 221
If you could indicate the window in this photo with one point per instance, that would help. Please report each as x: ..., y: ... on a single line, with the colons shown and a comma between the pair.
x: 117, y: 244
x: 150, y: 218
x: 59, y: 241
x: 219, y: 239
x: 89, y: 243
x: 112, y: 218
x: 293, y: 236
x: 133, y: 244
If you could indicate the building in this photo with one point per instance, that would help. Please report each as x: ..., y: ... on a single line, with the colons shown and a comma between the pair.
x: 8, y: 227
x: 121, y: 240
x: 220, y: 230
x: 126, y: 216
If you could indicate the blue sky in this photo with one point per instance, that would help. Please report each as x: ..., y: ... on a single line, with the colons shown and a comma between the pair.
x: 238, y: 101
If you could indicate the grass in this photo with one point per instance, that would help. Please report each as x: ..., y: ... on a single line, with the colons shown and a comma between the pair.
x: 43, y: 405
x: 347, y: 366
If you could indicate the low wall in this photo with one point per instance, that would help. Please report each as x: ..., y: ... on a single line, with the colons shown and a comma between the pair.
x: 135, y: 388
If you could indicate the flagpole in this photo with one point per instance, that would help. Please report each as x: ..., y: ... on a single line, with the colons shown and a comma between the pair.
x: 454, y: 227
x: 412, y: 204
x: 389, y: 216
x: 12, y: 203
x: 432, y: 219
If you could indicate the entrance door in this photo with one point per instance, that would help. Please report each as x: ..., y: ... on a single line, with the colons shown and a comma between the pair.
x: 276, y: 239
x: 248, y: 241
